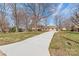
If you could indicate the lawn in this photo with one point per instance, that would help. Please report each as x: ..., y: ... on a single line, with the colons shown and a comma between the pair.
x: 65, y: 43
x: 7, y: 38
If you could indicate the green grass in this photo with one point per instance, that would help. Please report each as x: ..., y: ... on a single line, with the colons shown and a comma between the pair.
x: 65, y: 43
x: 7, y: 38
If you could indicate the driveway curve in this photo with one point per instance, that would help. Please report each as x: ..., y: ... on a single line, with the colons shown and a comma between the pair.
x: 34, y: 46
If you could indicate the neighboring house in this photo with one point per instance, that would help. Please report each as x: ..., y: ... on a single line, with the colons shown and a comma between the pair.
x: 43, y: 28
x: 64, y: 28
x: 76, y: 28
x: 39, y: 28
x: 49, y: 28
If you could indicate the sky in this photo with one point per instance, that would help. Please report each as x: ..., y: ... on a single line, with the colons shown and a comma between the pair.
x: 63, y: 9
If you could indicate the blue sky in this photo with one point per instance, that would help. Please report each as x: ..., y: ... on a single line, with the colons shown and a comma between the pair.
x: 64, y: 10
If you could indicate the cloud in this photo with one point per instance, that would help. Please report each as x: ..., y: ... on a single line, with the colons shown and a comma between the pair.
x: 58, y: 9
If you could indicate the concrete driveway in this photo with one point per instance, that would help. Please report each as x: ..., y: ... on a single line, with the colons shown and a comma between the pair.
x: 34, y: 46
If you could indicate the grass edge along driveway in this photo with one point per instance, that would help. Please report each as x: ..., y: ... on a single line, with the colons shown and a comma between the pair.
x: 8, y: 38
x: 65, y: 43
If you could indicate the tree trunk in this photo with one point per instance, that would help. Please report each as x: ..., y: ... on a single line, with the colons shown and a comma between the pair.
x: 15, y: 15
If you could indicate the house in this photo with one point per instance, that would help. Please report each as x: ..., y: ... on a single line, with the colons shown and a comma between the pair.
x: 43, y: 28
x: 64, y: 28
x: 76, y: 28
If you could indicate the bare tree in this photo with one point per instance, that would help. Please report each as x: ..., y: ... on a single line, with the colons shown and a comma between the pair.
x: 15, y: 16
x: 38, y: 11
x: 75, y: 18
x: 58, y: 21
x: 31, y: 11
x: 22, y: 18
x: 3, y: 22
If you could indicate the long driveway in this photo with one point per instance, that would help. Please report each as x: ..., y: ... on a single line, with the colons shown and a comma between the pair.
x: 34, y: 46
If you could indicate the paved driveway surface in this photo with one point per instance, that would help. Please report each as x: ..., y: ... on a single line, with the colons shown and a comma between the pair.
x: 34, y: 46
